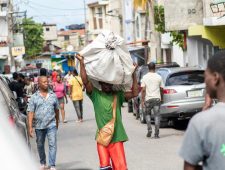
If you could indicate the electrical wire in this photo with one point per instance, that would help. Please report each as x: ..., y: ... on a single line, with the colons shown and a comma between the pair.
x: 52, y: 8
x: 50, y: 16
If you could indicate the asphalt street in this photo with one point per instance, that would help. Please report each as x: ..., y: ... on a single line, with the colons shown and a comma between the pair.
x: 77, y: 147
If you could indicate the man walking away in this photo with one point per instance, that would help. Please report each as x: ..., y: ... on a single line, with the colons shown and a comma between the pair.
x: 204, y: 140
x: 44, y: 109
x: 152, y: 86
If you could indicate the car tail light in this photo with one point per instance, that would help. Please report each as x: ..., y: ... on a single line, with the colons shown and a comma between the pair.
x: 172, y: 107
x: 11, y: 120
x: 169, y: 91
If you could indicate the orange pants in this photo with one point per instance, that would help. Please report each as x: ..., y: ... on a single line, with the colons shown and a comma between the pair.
x: 115, y: 153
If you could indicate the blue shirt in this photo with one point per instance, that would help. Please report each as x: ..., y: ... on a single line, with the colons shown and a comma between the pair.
x: 44, y: 109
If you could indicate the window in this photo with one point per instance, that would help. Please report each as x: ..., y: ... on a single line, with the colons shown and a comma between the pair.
x: 186, y: 78
x: 163, y: 74
x: 99, y: 12
x: 66, y: 37
x: 47, y: 29
x: 94, y: 18
x: 3, y: 7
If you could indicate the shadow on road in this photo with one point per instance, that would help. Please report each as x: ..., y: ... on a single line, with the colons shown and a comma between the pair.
x: 181, y: 125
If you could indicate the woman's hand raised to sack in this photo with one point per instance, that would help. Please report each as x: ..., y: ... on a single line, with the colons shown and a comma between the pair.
x: 79, y: 57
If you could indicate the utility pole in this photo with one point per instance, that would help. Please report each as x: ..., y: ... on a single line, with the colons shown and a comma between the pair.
x: 85, y: 23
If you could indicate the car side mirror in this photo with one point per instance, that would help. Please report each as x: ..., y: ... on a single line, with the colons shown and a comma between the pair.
x: 15, y: 95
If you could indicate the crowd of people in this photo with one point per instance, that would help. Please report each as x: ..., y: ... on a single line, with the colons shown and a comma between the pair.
x: 69, y: 85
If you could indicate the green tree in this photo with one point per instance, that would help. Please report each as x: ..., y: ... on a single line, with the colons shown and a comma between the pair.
x: 177, y: 36
x: 33, y: 37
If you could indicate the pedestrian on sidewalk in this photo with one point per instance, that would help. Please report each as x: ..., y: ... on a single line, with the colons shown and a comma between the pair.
x: 59, y: 88
x: 102, y: 101
x: 43, y: 108
x: 76, y: 94
x: 204, y: 140
x: 152, y: 86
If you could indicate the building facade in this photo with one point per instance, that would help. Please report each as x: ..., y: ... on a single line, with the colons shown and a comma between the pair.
x: 104, y: 15
x: 204, y: 22
x: 6, y: 36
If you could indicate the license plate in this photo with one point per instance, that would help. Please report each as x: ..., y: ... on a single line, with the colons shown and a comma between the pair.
x: 195, y: 93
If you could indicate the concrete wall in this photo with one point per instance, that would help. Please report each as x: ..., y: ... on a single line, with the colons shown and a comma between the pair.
x: 50, y: 32
x: 199, y: 51
x: 62, y: 43
x: 179, y: 15
x: 178, y: 55
x: 115, y: 21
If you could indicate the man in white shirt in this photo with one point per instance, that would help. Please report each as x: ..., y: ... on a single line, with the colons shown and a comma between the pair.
x: 152, y: 86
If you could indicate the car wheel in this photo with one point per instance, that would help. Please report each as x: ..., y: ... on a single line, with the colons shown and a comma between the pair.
x: 164, y: 124
x: 130, y: 106
x: 142, y: 115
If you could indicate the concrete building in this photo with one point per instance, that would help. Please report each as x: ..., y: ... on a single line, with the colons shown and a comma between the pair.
x: 50, y: 32
x: 74, y: 38
x: 204, y: 22
x: 104, y: 15
x: 6, y: 38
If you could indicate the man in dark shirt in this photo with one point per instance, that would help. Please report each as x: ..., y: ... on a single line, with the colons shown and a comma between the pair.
x: 16, y: 86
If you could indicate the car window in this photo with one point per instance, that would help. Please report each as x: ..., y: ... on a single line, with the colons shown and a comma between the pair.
x: 163, y: 74
x: 186, y: 78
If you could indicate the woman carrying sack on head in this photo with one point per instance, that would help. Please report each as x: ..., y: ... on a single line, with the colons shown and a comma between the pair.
x: 111, y: 133
x: 76, y: 94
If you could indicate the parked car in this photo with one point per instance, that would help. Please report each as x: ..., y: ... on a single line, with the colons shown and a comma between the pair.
x: 134, y: 104
x: 9, y: 106
x: 14, y: 152
x: 183, y: 93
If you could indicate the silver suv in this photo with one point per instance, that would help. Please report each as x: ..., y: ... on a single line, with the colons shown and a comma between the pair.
x: 183, y: 94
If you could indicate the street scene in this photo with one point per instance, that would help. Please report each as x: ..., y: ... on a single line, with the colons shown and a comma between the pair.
x: 112, y: 84
x: 77, y: 146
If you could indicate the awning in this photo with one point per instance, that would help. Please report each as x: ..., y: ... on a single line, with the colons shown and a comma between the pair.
x: 3, y: 57
x: 215, y: 34
x: 215, y: 2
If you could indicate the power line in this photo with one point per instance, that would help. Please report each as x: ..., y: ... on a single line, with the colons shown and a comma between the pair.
x: 50, y: 16
x: 49, y: 7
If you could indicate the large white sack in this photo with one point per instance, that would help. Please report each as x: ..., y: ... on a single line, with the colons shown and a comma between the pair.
x: 107, y: 59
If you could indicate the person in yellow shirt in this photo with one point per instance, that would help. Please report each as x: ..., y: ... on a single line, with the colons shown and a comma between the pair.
x: 76, y: 94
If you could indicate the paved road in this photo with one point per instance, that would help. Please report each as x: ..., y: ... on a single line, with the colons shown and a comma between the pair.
x: 77, y: 148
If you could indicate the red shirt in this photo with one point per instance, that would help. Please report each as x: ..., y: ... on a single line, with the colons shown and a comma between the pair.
x: 54, y: 76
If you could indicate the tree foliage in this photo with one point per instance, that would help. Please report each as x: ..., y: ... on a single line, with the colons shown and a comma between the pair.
x: 33, y: 37
x: 159, y: 18
x: 177, y: 37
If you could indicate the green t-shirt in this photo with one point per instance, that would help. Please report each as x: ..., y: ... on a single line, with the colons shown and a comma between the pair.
x: 103, y: 112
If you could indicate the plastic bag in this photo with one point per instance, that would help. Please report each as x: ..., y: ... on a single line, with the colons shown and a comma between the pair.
x: 107, y: 59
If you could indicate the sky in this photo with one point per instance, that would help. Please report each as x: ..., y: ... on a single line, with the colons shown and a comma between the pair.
x: 60, y: 12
